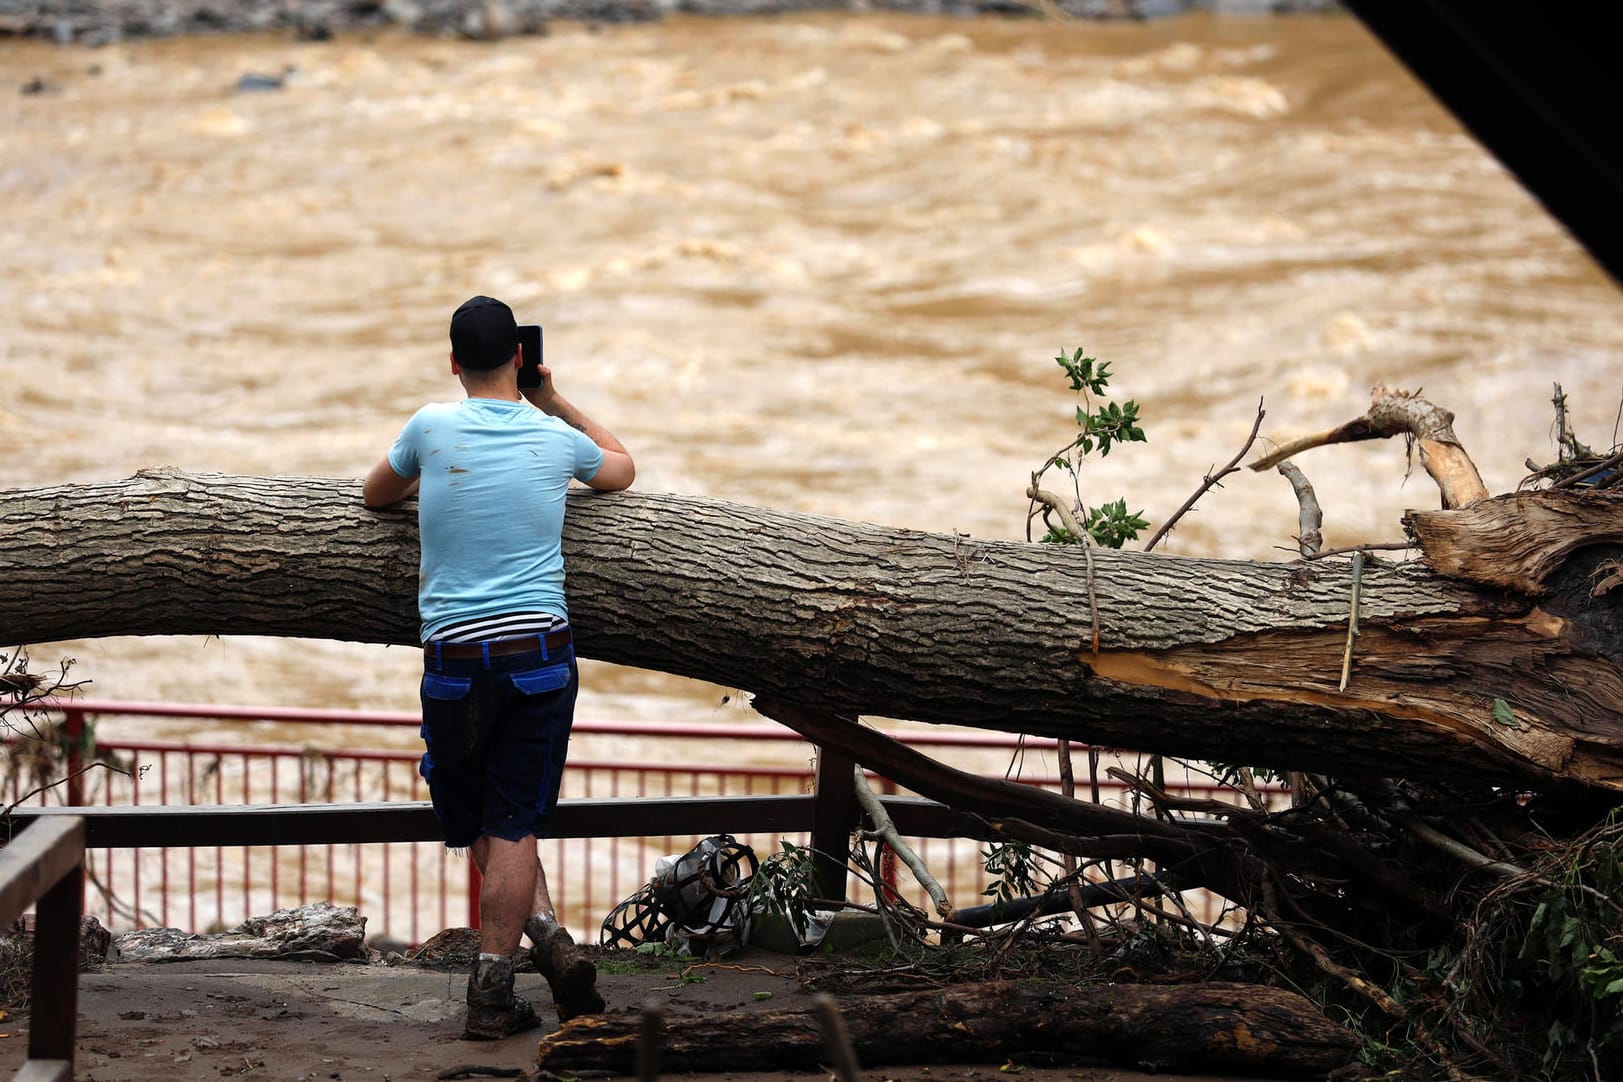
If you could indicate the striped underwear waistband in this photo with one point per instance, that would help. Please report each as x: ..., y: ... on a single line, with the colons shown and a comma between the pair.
x: 512, y: 625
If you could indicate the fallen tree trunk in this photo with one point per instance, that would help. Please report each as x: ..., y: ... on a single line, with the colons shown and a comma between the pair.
x: 320, y: 932
x: 1225, y: 660
x: 1209, y: 1028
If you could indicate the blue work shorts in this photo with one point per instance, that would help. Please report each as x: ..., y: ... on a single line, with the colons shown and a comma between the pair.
x: 496, y: 733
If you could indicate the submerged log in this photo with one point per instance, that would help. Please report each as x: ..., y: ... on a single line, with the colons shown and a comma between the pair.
x: 1210, y: 659
x: 1206, y: 1028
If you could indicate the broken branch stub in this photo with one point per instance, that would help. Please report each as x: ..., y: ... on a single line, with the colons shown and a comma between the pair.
x: 1403, y: 413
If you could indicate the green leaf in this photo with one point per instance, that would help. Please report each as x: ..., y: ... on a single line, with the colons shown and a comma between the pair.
x: 1502, y: 714
x: 762, y: 996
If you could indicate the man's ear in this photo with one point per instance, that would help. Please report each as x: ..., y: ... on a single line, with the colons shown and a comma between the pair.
x: 456, y: 369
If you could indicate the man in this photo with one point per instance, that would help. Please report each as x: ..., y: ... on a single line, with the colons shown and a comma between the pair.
x: 499, y: 679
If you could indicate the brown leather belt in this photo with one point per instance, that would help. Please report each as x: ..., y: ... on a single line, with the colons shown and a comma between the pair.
x: 529, y: 644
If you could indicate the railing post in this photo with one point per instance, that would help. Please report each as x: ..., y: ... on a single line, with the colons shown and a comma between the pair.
x: 73, y: 733
x: 55, y: 1006
x: 834, y: 817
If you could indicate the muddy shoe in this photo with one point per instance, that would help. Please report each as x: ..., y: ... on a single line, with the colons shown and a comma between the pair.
x: 565, y: 966
x: 494, y: 1011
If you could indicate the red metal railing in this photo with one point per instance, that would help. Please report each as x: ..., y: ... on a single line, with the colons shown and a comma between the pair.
x: 406, y: 890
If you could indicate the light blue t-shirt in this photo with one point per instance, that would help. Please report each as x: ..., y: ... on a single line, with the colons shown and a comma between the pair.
x: 490, y: 506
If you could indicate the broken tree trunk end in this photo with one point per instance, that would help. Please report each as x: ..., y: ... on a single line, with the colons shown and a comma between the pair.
x: 1210, y: 1028
x: 1517, y: 541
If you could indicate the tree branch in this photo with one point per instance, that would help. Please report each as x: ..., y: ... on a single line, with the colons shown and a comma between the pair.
x: 1211, y: 480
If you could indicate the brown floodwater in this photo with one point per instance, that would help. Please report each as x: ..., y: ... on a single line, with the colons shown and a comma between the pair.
x: 819, y: 262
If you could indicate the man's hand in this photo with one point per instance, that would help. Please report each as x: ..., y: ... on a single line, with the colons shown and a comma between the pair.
x: 545, y: 396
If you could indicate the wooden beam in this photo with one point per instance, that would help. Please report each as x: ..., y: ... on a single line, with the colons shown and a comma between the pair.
x: 45, y: 865
x: 183, y: 826
x: 37, y: 859
x: 54, y: 1008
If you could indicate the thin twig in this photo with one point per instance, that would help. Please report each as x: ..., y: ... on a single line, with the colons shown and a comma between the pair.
x: 1352, y: 619
x: 1163, y: 801
x: 1462, y: 852
x: 886, y: 829
x: 1599, y: 467
x: 1067, y: 787
x: 1382, y: 547
x: 15, y: 804
x: 1248, y: 787
x: 728, y: 966
x: 1565, y: 441
x: 1212, y: 479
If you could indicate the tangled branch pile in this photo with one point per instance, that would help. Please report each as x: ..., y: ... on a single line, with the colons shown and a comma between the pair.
x: 1461, y: 929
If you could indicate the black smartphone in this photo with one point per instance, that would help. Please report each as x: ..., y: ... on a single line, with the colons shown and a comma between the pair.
x: 529, y: 340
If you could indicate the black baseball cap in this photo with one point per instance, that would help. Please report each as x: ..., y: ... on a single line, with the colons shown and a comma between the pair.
x: 484, y: 334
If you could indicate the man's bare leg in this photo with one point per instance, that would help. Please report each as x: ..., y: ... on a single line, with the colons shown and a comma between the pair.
x: 511, y: 884
x: 542, y: 906
x: 508, y: 870
x: 570, y: 974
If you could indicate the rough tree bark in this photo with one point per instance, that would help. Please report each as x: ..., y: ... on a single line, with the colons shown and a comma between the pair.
x: 1226, y: 660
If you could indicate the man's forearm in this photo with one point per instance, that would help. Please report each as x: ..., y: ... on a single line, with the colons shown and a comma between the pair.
x: 560, y: 407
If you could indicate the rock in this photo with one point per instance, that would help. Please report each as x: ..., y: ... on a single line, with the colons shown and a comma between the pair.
x: 406, y: 13
x: 312, y: 29
x: 254, y: 82
x: 454, y: 948
x: 1158, y: 9
x: 318, y: 932
x: 94, y: 940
